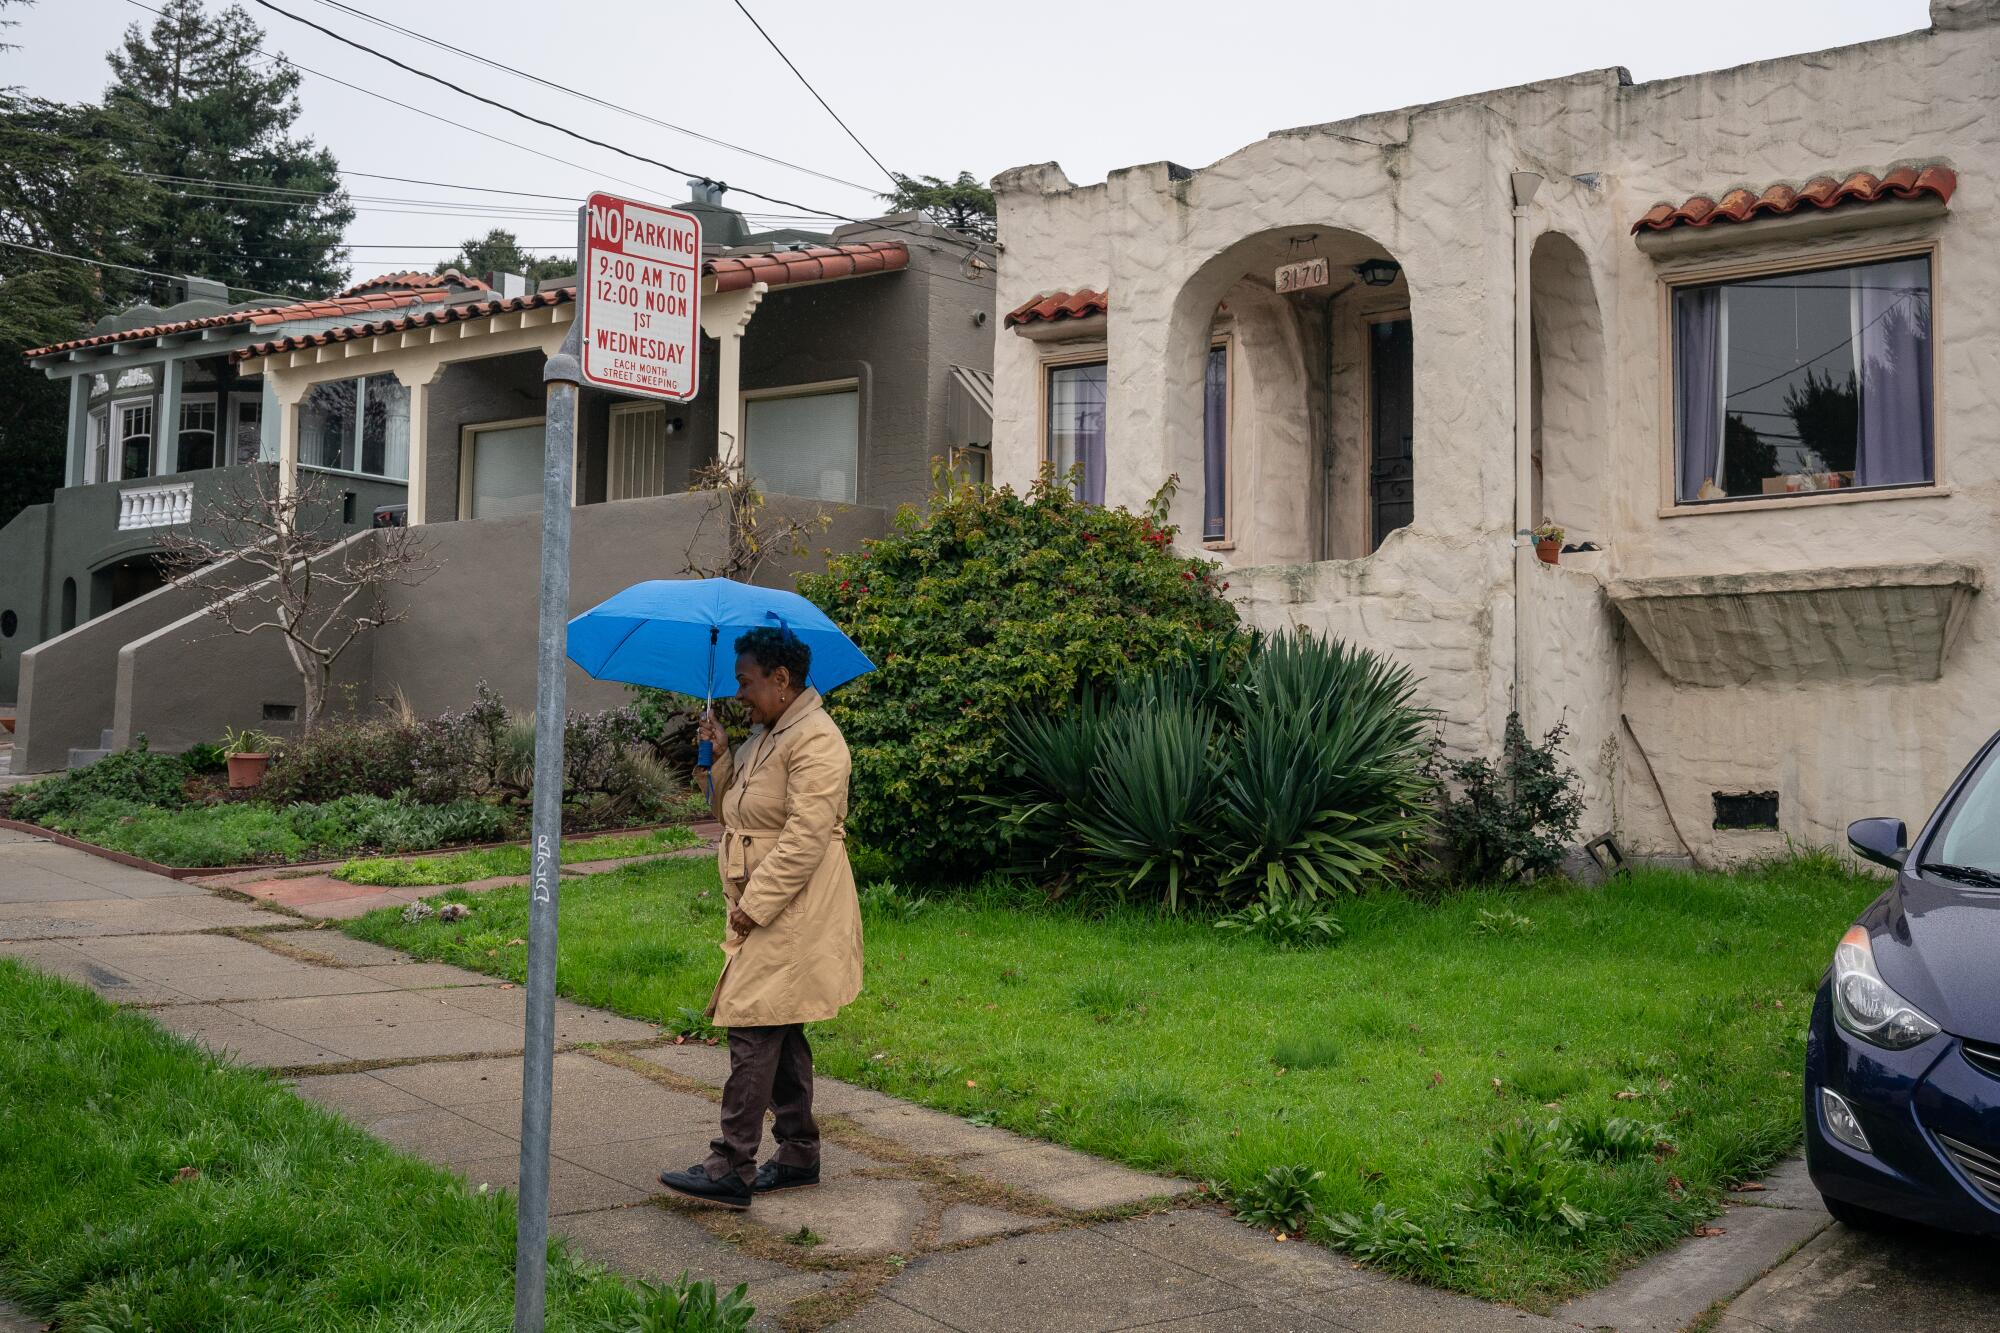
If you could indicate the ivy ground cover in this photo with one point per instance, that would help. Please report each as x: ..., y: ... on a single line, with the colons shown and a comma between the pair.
x: 1673, y: 1003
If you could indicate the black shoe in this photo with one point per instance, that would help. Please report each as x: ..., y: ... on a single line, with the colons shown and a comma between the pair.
x: 775, y: 1176
x: 729, y: 1191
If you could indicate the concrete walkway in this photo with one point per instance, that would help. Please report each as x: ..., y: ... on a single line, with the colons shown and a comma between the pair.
x: 924, y: 1222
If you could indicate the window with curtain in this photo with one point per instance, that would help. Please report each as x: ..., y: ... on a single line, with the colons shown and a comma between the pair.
x: 504, y: 475
x: 807, y: 445
x: 1803, y: 382
x: 194, y: 445
x: 1075, y: 427
x: 1215, y: 446
x: 358, y: 425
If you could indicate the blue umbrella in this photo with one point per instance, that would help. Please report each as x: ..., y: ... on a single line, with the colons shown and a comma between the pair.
x: 665, y: 632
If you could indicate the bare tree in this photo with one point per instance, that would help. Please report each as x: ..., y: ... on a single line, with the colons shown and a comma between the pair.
x: 749, y: 542
x: 264, y: 561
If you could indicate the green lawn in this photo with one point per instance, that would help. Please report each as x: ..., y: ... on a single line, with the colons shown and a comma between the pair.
x: 149, y: 1186
x: 1387, y: 1062
x: 491, y: 862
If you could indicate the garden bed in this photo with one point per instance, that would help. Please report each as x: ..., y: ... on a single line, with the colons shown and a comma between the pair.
x: 1658, y: 1021
x: 151, y: 1185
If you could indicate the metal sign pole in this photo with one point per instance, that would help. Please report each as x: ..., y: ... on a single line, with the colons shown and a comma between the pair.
x: 531, y: 1245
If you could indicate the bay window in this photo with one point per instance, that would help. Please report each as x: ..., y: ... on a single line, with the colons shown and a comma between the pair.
x: 1805, y: 381
x: 132, y: 424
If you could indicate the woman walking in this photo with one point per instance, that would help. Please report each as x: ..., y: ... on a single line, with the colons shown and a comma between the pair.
x: 793, y: 939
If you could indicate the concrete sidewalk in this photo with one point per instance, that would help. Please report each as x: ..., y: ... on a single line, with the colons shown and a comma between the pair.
x: 924, y: 1222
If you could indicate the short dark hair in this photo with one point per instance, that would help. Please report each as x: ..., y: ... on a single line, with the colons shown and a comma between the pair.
x: 771, y: 647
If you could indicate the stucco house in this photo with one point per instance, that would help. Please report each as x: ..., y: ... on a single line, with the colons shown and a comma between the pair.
x: 837, y: 370
x: 1734, y: 332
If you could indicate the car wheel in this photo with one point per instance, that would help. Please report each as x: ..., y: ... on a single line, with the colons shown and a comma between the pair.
x: 1855, y: 1216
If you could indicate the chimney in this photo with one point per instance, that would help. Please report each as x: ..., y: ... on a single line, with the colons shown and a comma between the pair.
x: 191, y: 288
x: 506, y: 285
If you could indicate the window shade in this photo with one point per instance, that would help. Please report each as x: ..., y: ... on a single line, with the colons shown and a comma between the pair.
x: 806, y: 446
x: 506, y: 471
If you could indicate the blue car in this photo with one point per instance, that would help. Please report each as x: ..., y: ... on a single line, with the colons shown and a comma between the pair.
x: 1902, y: 1083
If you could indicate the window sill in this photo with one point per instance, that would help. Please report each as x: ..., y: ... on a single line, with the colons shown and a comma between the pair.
x: 1806, y: 500
x: 358, y: 476
x: 1219, y: 544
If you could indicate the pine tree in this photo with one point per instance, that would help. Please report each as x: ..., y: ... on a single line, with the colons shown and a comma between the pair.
x: 202, y: 106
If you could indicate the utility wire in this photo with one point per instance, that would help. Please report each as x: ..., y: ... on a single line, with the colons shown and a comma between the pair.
x: 417, y: 110
x: 894, y: 179
x: 149, y: 272
x: 587, y: 97
x: 533, y: 120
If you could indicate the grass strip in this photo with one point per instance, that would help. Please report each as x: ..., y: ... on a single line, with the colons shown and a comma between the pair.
x: 1676, y: 1001
x: 150, y: 1186
x: 493, y: 862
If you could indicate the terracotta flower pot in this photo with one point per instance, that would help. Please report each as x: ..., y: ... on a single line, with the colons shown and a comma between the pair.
x: 247, y: 770
x: 1549, y: 550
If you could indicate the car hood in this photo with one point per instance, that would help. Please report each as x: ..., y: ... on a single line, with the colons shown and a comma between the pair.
x: 1939, y: 946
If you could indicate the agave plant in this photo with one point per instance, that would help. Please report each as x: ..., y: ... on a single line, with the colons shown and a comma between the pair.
x: 1055, y: 756
x: 1151, y: 790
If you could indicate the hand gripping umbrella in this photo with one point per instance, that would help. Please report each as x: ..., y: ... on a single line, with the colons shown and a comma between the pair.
x: 664, y: 633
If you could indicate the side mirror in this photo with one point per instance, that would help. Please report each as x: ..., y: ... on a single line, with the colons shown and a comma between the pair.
x: 1884, y: 841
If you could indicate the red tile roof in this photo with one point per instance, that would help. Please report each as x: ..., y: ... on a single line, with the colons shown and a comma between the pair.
x: 450, y: 314
x: 414, y: 281
x: 732, y: 273
x: 1079, y: 304
x: 337, y: 307
x: 816, y: 263
x: 1742, y: 205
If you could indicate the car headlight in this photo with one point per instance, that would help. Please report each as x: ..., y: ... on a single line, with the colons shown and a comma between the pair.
x: 1864, y: 1004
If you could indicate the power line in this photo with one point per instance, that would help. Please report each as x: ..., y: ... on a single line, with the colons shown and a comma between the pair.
x: 587, y: 97
x: 533, y: 120
x: 417, y: 110
x: 893, y: 179
x: 149, y: 272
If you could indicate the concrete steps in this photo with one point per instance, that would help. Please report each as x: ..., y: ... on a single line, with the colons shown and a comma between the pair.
x: 85, y: 758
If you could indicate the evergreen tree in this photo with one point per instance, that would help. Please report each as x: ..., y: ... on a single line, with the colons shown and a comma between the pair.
x: 62, y: 188
x: 499, y: 251
x: 202, y: 106
x: 963, y: 204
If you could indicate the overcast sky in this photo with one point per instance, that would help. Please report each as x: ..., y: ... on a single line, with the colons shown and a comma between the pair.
x: 930, y: 88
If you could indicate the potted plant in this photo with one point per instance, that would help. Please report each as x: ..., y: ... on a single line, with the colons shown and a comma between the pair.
x: 1548, y: 541
x: 249, y: 754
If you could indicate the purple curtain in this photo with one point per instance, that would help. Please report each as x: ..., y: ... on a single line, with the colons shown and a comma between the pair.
x: 1894, y: 448
x: 1697, y: 387
x: 1076, y: 425
x: 1215, y: 447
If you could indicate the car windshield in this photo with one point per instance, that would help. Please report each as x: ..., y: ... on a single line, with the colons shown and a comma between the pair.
x: 1970, y: 833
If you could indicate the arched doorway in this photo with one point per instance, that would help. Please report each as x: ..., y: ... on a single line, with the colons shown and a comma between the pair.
x: 1290, y: 413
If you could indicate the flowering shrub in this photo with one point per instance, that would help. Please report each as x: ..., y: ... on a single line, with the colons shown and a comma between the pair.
x: 988, y: 602
x: 344, y: 758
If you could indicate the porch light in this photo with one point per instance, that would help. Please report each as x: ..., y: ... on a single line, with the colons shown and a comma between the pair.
x: 1378, y: 272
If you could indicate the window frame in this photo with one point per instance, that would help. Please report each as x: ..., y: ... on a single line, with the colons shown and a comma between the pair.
x: 1226, y: 340
x: 115, y: 454
x: 356, y: 438
x: 1702, y: 275
x: 815, y: 389
x: 620, y: 410
x: 468, y: 440
x: 1094, y: 354
x: 97, y: 425
x: 211, y: 398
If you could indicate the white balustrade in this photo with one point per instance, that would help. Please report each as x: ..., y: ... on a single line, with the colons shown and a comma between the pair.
x: 155, y: 506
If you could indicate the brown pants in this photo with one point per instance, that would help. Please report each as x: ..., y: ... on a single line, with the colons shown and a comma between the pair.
x: 769, y: 1068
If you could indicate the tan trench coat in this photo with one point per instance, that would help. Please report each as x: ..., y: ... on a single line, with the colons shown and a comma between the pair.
x: 782, y: 800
